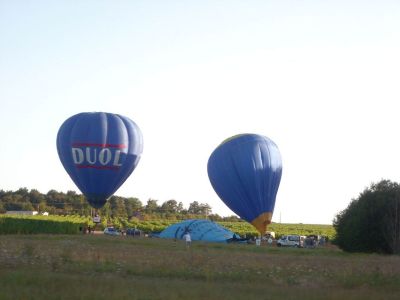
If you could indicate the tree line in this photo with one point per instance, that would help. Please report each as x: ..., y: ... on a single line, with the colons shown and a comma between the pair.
x: 371, y: 222
x: 72, y: 203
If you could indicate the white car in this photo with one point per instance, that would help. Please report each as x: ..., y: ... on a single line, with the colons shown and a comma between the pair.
x: 111, y: 231
x: 291, y: 241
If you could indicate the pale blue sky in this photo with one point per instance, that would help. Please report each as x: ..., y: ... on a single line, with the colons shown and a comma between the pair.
x: 320, y: 78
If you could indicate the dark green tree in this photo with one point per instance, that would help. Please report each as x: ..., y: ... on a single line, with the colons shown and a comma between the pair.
x: 170, y: 206
x: 197, y: 208
x: 56, y: 199
x: 194, y: 208
x: 35, y: 197
x: 16, y: 202
x: 371, y: 223
x: 117, y: 206
x: 180, y: 209
x: 23, y: 192
x: 132, y: 206
x: 204, y: 209
x: 151, y: 206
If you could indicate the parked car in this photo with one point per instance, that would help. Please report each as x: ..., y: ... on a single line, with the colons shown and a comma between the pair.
x: 134, y: 232
x: 291, y: 241
x: 313, y: 241
x: 111, y: 231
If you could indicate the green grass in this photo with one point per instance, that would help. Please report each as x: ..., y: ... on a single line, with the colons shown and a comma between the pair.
x: 103, y: 267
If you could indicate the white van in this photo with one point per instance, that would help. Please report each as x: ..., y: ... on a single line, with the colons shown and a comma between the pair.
x: 291, y: 241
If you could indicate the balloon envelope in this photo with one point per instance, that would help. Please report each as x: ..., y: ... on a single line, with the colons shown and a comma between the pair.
x: 200, y: 230
x: 245, y: 172
x: 99, y: 151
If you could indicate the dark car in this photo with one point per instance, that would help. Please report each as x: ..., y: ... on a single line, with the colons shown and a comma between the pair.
x: 134, y: 232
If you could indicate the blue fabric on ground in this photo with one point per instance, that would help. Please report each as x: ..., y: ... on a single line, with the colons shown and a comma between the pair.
x: 200, y: 230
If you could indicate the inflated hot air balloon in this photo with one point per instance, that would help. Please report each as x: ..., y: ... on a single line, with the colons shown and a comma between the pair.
x: 99, y: 151
x: 245, y: 172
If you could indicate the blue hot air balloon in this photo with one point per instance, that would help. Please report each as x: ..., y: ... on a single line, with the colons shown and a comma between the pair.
x: 200, y: 230
x: 245, y: 172
x: 99, y: 151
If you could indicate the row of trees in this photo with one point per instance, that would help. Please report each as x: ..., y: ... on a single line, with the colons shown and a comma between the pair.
x: 72, y: 203
x: 371, y: 222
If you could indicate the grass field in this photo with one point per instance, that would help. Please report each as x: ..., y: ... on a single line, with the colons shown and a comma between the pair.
x: 104, y: 267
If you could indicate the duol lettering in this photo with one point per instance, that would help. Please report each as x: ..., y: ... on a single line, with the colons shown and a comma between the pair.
x: 91, y: 155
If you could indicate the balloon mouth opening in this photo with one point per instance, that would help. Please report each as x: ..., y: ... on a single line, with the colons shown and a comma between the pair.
x: 262, y: 221
x: 96, y: 202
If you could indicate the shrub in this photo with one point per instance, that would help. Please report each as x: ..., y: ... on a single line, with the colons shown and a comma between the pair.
x: 41, y: 224
x: 371, y: 223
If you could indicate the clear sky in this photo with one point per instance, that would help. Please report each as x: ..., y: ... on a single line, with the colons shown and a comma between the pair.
x: 320, y: 78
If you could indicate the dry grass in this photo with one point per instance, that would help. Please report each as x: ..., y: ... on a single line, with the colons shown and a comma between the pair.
x: 102, y: 267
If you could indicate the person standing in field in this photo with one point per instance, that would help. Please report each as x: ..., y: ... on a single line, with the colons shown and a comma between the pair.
x: 187, y: 238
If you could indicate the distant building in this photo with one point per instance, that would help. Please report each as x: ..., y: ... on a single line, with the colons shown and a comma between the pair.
x: 22, y: 212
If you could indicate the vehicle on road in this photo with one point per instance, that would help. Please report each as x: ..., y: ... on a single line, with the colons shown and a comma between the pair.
x: 134, y: 232
x: 291, y: 241
x: 111, y: 231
